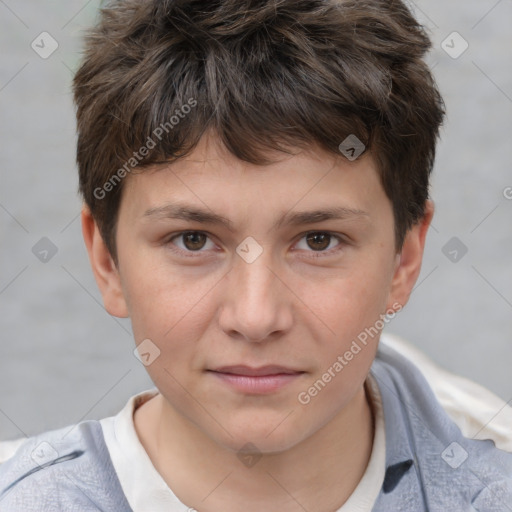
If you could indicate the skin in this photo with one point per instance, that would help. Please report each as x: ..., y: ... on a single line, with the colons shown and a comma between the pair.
x: 213, y: 308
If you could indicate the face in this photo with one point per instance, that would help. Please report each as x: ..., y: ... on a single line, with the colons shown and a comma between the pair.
x: 251, y: 282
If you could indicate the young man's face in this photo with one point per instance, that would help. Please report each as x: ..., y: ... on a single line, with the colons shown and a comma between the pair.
x: 250, y: 312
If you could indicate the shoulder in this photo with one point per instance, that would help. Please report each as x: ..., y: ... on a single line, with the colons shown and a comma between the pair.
x: 453, y: 458
x: 63, y: 470
x: 9, y: 448
x: 476, y: 411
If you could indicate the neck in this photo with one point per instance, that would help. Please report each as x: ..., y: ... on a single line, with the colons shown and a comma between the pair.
x: 320, y: 473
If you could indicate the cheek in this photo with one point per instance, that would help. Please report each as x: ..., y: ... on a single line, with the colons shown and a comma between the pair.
x: 173, y: 316
x: 349, y: 304
x: 351, y: 308
x: 162, y: 301
x: 173, y: 310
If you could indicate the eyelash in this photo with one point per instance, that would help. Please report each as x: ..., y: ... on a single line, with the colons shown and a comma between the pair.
x: 314, y: 254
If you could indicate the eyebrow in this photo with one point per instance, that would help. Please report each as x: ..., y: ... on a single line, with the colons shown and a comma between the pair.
x: 192, y: 213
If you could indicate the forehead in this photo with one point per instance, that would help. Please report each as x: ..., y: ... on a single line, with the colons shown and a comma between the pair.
x: 214, y: 179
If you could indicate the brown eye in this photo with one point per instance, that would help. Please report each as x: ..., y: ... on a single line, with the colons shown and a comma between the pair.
x: 318, y: 241
x: 194, y: 241
x: 191, y: 244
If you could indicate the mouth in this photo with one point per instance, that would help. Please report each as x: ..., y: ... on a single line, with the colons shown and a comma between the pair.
x: 260, y: 380
x: 256, y: 372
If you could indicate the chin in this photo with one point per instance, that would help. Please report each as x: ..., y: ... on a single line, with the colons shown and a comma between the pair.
x: 264, y: 436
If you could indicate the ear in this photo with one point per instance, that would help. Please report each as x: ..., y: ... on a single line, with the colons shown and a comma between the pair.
x: 103, y: 267
x: 409, y: 260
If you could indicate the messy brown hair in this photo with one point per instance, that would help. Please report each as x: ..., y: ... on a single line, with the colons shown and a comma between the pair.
x: 263, y: 75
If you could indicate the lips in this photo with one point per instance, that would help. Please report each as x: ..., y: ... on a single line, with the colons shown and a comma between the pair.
x: 256, y: 372
x: 255, y: 380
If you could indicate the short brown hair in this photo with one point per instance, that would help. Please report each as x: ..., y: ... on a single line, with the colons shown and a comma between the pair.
x: 263, y: 75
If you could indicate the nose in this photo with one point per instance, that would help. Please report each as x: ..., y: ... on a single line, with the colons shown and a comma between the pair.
x: 256, y: 305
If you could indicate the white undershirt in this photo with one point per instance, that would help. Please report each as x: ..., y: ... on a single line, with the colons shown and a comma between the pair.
x: 145, y: 489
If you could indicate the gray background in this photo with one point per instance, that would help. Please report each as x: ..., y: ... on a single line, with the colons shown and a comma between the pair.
x: 63, y: 358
